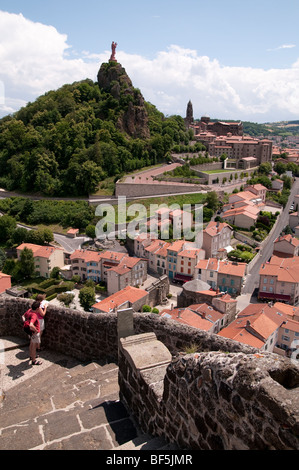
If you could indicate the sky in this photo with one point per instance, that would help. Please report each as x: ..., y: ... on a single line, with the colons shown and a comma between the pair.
x: 234, y: 59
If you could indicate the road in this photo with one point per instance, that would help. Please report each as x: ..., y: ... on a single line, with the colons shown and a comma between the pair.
x: 252, y: 279
x: 68, y: 244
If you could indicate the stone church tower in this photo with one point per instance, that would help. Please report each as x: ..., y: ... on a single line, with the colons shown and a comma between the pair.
x: 189, y: 115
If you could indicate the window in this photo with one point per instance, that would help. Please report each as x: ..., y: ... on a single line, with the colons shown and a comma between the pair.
x: 271, y: 281
x: 265, y: 280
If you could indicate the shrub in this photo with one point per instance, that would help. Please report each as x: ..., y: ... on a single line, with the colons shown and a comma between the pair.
x: 51, y: 297
x: 66, y: 299
x: 47, y: 283
x: 99, y: 288
x: 146, y: 308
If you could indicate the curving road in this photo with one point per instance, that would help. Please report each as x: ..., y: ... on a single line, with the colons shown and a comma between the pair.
x: 252, y: 279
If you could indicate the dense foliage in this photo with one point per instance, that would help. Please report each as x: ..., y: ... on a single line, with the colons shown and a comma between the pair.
x: 68, y: 141
x: 66, y: 213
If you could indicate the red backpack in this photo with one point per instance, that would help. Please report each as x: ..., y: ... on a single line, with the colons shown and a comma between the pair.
x: 26, y: 319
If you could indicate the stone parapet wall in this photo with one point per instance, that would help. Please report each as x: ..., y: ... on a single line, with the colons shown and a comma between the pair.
x: 87, y: 336
x: 213, y: 400
x: 84, y: 336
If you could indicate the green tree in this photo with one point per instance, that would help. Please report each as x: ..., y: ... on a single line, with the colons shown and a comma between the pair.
x: 90, y: 231
x: 265, y: 168
x: 26, y: 264
x: 87, y: 298
x: 19, y: 236
x: 212, y: 200
x: 47, y: 235
x: 55, y: 273
x: 7, y: 226
x: 2, y: 258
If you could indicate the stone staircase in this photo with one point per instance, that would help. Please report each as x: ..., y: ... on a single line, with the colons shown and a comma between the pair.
x: 68, y: 405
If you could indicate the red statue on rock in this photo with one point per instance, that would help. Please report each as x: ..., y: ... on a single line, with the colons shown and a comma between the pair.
x: 113, y: 47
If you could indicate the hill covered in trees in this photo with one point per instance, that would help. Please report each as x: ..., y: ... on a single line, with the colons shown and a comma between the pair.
x: 254, y: 129
x: 69, y: 140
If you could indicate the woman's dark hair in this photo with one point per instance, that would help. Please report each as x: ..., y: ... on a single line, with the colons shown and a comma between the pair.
x: 35, y: 305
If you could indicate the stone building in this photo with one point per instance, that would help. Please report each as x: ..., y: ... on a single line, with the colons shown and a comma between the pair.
x: 217, y: 128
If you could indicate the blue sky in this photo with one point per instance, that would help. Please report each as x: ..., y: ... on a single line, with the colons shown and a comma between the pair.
x: 234, y: 59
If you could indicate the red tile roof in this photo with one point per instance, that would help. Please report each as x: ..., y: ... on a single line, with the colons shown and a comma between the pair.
x: 38, y: 250
x: 86, y: 255
x: 128, y: 294
x: 254, y: 325
x: 288, y: 238
x: 284, y: 269
x: 234, y: 269
x: 187, y: 317
x: 190, y: 253
x: 176, y: 245
x: 223, y: 267
x: 206, y: 311
x: 2, y: 275
x: 213, y: 228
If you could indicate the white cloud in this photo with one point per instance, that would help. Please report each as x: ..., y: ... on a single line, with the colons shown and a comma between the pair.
x: 283, y: 46
x: 245, y: 93
x: 36, y: 58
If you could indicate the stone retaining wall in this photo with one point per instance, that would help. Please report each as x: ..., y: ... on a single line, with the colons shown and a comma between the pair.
x: 136, y: 189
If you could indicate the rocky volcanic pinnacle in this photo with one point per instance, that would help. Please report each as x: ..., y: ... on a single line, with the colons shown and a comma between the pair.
x: 133, y: 119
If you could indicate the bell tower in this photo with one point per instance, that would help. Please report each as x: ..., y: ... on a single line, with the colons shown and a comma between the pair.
x: 189, y: 115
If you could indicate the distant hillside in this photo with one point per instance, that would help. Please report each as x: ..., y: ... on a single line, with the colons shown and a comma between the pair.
x: 70, y: 140
x: 278, y: 128
x: 284, y: 128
